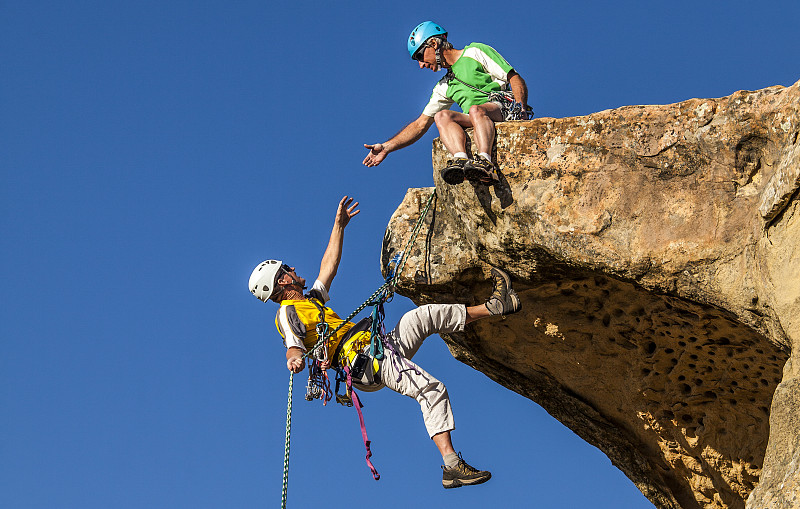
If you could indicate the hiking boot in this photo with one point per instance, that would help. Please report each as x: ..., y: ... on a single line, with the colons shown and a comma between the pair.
x: 481, y: 170
x: 504, y: 300
x: 453, y: 173
x: 463, y: 475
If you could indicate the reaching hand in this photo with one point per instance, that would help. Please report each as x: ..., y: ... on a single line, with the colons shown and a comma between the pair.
x: 333, y: 253
x: 345, y: 211
x: 377, y: 153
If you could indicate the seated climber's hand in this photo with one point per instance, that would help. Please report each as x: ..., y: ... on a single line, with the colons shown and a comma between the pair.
x: 527, y: 112
x: 377, y: 153
x: 519, y: 111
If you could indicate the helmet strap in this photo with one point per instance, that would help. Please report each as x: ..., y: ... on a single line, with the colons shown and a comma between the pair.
x: 282, y: 288
x: 303, y: 287
x: 276, y: 295
x: 294, y: 282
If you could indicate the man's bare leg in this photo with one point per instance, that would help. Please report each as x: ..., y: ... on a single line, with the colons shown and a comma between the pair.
x: 451, y: 125
x: 443, y: 443
x: 482, y: 117
x: 476, y: 313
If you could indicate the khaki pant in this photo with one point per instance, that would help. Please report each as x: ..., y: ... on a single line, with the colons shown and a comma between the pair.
x: 415, y: 382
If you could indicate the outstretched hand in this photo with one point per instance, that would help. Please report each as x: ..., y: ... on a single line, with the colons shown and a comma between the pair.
x: 333, y: 253
x: 347, y: 209
x: 377, y: 153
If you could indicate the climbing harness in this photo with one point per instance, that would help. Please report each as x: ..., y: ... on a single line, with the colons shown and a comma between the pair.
x: 511, y: 109
x: 319, y: 387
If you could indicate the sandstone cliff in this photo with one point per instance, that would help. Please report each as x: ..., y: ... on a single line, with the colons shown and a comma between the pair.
x: 657, y: 253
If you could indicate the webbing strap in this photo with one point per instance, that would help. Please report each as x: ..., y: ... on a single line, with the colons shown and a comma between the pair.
x: 358, y: 405
x: 398, y: 361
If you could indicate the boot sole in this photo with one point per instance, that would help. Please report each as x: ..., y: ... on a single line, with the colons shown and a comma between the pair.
x: 474, y: 174
x: 457, y: 483
x: 516, y: 304
x: 453, y: 176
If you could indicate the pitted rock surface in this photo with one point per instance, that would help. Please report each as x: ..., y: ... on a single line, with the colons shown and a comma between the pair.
x: 655, y: 250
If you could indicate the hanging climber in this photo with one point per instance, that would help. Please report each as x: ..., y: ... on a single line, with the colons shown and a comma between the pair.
x: 478, y: 79
x: 299, y: 314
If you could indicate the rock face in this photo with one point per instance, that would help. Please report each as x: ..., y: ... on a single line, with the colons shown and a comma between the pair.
x: 656, y: 250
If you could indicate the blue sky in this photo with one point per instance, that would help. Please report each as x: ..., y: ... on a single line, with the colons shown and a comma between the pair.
x: 154, y: 152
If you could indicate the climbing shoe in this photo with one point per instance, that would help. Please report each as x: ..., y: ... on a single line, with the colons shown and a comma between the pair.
x: 481, y: 170
x: 504, y: 300
x: 463, y: 475
x: 453, y: 173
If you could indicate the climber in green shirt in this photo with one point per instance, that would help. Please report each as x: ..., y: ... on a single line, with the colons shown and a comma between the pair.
x: 478, y: 79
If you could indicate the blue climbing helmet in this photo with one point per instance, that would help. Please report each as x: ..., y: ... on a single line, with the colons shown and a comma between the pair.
x: 422, y: 33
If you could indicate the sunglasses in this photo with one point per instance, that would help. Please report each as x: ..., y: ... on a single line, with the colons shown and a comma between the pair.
x: 285, y: 268
x: 419, y: 55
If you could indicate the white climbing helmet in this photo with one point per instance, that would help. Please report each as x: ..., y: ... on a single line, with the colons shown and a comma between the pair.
x: 263, y: 279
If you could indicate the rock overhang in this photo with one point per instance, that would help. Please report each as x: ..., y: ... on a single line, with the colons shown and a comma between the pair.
x: 655, y: 317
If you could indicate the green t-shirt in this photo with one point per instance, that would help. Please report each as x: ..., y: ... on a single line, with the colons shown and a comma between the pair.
x: 479, y: 65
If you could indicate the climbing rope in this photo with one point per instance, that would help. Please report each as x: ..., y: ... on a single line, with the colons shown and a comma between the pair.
x: 383, y: 293
x: 413, y: 238
x: 288, y: 435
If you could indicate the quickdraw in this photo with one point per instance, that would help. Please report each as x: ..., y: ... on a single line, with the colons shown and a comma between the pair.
x: 319, y: 386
